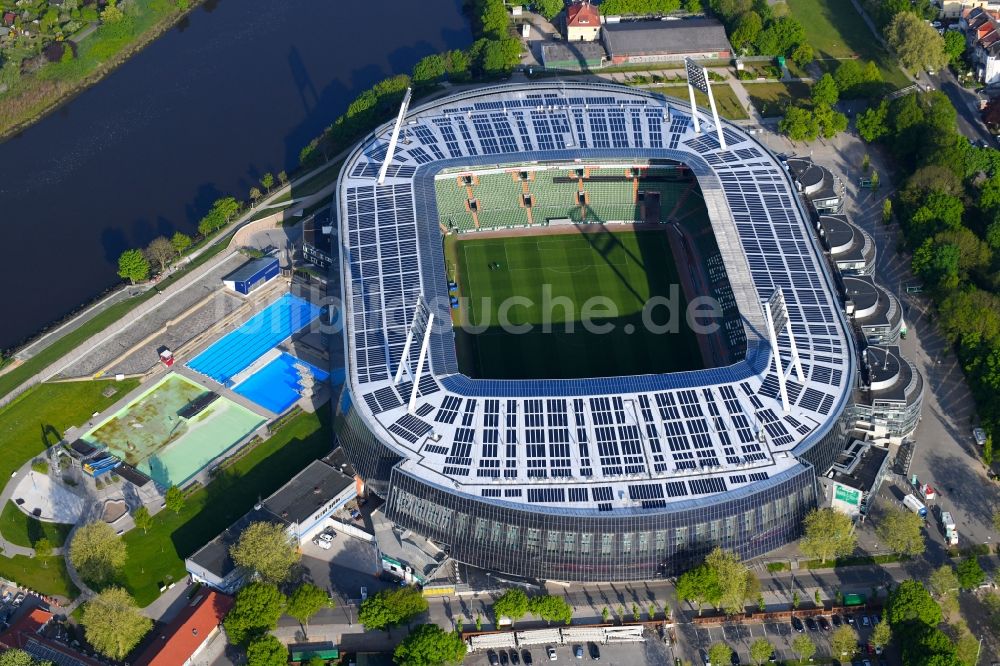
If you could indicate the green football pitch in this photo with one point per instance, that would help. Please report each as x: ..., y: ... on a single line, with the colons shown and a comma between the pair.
x: 544, y: 284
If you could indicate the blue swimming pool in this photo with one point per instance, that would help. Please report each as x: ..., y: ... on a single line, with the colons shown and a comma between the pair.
x: 239, y: 349
x: 276, y: 385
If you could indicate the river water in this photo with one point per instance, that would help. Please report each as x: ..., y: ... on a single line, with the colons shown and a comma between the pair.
x: 233, y: 92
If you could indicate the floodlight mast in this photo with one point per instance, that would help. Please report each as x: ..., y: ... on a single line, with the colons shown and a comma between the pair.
x: 395, y: 135
x: 698, y: 79
x: 776, y: 317
x: 412, y: 407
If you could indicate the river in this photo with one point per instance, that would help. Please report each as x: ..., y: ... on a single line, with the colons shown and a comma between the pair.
x: 234, y: 91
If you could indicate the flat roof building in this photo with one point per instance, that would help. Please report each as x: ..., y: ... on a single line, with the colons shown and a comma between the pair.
x: 876, y: 312
x: 855, y: 477
x: 664, y: 41
x: 573, y: 55
x: 252, y: 274
x: 819, y: 185
x: 851, y: 248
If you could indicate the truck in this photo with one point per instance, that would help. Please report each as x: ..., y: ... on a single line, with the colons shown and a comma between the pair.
x: 916, y: 506
x: 948, y: 525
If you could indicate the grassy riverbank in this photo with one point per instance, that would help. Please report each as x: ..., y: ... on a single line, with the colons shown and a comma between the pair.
x: 37, y: 93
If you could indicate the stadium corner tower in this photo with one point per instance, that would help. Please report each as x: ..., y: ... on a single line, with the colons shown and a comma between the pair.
x: 622, y: 476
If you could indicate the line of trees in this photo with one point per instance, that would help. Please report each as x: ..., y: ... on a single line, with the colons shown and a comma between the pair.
x: 949, y: 211
x: 721, y: 581
x: 758, y: 27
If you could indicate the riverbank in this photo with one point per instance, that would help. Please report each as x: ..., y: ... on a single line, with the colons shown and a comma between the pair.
x: 39, y: 93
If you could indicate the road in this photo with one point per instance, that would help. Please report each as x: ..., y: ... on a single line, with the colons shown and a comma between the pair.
x: 966, y: 103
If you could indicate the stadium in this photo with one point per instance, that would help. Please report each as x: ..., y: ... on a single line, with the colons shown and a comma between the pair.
x: 624, y: 453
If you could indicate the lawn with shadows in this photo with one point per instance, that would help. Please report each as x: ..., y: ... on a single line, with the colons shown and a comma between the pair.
x: 770, y: 99
x: 157, y: 557
x: 836, y: 31
x: 24, y: 530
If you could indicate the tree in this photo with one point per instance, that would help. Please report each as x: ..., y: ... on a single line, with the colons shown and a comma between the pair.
x: 161, y: 251
x: 817, y: 598
x: 970, y: 574
x: 391, y: 607
x: 133, y: 266
x: 494, y: 57
x: 831, y: 123
x: 737, y: 584
x: 917, y: 44
x: 871, y: 123
x: 803, y: 647
x: 267, y: 180
x: 113, y: 623
x: 219, y: 215
x: 255, y: 194
x: 429, y: 69
x: 652, y: 611
x: 803, y: 55
x: 551, y: 608
x: 265, y: 549
x: 43, y: 550
x: 943, y: 582
x: 255, y: 612
x: 430, y: 645
x: 747, y: 29
x: 825, y: 91
x: 97, y: 553
x: 283, y: 178
x: 142, y: 519
x: 636, y: 616
x: 458, y: 65
x: 548, y: 8
x: 605, y: 615
x: 843, y: 642
x: 881, y: 634
x: 996, y: 520
x: 306, y: 601
x: 18, y: 657
x: 910, y: 602
x: 267, y: 650
x: 699, y: 586
x: 954, y: 46
x: 966, y: 647
x: 512, y: 604
x: 479, y: 622
x: 799, y: 124
x: 112, y: 14
x: 780, y: 37
x: 720, y: 653
x: 887, y: 211
x: 828, y: 534
x: 760, y: 651
x: 180, y: 242
x: 795, y: 599
x: 174, y: 499
x: 900, y: 530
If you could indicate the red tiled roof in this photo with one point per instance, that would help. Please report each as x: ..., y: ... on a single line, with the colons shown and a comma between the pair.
x: 28, y: 625
x: 180, y: 639
x: 582, y: 14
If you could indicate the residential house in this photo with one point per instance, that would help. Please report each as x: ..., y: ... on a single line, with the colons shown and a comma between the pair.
x: 583, y: 22
x: 952, y: 9
x: 32, y: 633
x: 983, y: 36
x: 180, y: 642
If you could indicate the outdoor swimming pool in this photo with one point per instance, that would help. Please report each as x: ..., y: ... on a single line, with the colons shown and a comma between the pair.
x: 151, y: 435
x: 238, y: 350
x: 276, y: 386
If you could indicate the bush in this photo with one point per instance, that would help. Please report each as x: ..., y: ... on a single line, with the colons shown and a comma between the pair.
x: 40, y: 466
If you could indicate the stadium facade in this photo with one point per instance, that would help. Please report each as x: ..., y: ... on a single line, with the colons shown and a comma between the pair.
x: 612, y: 478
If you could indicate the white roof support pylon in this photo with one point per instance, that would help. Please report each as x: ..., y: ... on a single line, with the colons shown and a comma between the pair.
x: 412, y: 407
x: 694, y: 109
x: 715, y: 113
x: 395, y: 136
x: 776, y: 318
x: 698, y: 79
x: 405, y: 358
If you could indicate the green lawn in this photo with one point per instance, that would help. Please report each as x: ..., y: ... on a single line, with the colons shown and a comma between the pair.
x: 725, y: 99
x: 836, y: 30
x: 51, y: 580
x: 38, y: 418
x: 770, y: 99
x: 158, y: 556
x: 24, y: 530
x: 626, y: 267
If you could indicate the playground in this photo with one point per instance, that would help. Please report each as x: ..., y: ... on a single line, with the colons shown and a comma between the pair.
x: 174, y: 429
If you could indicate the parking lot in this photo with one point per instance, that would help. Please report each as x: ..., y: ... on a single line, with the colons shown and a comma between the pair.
x: 781, y: 634
x: 651, y: 652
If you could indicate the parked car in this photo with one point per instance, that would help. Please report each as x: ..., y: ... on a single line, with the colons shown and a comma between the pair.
x: 552, y: 653
x: 595, y: 652
x: 527, y: 658
x: 492, y: 657
x: 503, y: 658
x: 578, y: 651
x: 865, y: 622
x: 823, y: 624
x: 811, y: 624
x: 324, y: 541
x: 734, y: 658
x: 836, y: 620
x: 704, y: 657
x: 876, y: 618
x: 850, y: 619
x: 514, y: 659
x: 797, y: 624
